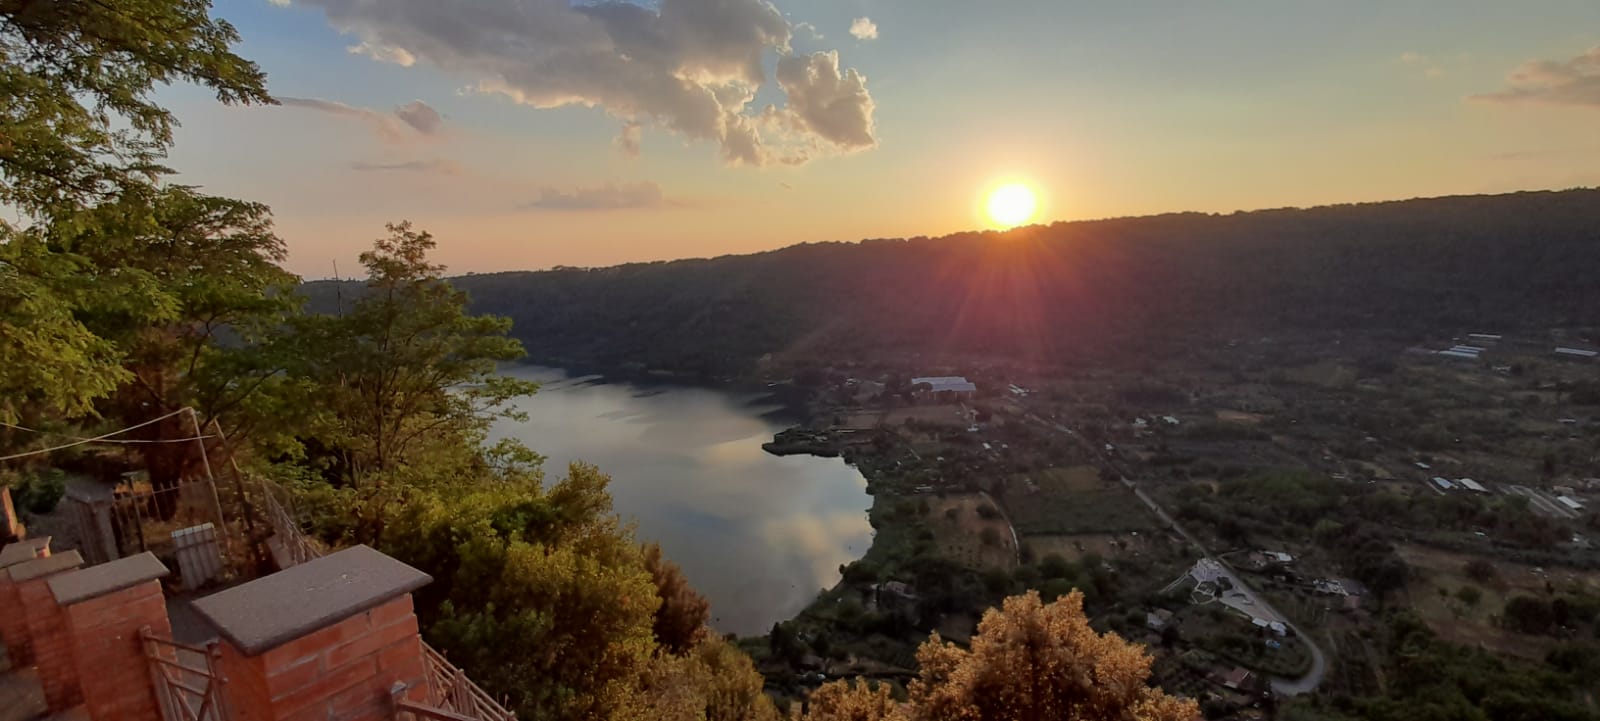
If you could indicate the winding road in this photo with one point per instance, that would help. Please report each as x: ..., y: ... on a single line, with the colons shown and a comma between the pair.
x: 1283, y: 686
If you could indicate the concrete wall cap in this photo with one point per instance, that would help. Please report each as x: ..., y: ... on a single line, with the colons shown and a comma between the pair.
x: 26, y: 549
x: 29, y: 570
x: 271, y: 611
x: 97, y: 581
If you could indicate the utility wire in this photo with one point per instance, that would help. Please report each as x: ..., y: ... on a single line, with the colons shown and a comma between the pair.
x: 102, y: 438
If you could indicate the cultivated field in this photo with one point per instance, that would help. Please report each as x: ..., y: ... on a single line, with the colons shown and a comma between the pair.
x: 960, y: 538
x: 1074, y: 501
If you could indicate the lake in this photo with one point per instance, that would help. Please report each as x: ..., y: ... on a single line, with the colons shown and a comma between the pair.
x: 759, y: 535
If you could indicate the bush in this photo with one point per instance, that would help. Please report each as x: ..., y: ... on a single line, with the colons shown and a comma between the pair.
x: 40, y: 493
x: 988, y: 512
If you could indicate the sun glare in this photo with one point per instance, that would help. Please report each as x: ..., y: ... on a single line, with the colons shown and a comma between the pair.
x: 1011, y: 205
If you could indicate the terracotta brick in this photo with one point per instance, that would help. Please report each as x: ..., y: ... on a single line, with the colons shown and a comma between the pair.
x: 14, y: 623
x: 316, y: 642
x: 390, y: 612
x: 402, y: 651
x: 332, y: 683
x: 370, y: 643
x: 47, y: 630
x: 373, y: 695
x: 283, y: 681
x: 109, y: 656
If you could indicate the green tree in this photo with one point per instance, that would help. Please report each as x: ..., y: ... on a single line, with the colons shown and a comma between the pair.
x: 213, y: 341
x: 540, y: 594
x: 80, y: 130
x: 406, y: 370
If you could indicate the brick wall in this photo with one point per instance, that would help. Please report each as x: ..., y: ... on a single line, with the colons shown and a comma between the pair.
x: 52, y: 645
x: 343, y: 671
x: 111, y: 666
x: 14, y: 624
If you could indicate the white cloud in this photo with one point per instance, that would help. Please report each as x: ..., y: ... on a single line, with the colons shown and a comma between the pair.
x: 831, y: 104
x: 1572, y: 82
x: 610, y: 196
x: 690, y: 66
x: 279, y: 3
x: 864, y: 29
x: 406, y: 122
x: 383, y: 53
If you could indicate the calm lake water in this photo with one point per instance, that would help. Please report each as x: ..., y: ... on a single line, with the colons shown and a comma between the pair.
x: 757, y: 534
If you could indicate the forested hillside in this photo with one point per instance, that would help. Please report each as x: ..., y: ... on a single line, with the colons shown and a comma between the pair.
x: 1070, y: 290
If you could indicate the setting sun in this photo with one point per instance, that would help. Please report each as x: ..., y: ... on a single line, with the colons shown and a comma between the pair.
x: 1011, y: 205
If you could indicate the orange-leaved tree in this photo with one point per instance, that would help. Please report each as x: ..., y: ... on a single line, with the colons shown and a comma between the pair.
x: 1030, y: 661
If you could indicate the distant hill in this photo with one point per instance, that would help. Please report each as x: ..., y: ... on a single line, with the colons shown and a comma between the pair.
x: 1521, y: 261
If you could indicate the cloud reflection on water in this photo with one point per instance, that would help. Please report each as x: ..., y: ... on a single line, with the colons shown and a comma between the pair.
x: 758, y: 534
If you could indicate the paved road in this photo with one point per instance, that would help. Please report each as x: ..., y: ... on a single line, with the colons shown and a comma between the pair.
x: 1283, y: 686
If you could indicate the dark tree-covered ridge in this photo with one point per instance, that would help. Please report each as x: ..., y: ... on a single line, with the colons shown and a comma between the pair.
x: 1411, y: 268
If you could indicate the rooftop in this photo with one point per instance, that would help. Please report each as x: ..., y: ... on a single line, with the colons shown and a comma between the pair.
x: 270, y: 611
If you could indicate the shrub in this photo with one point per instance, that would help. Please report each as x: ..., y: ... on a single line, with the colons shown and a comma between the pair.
x: 40, y: 493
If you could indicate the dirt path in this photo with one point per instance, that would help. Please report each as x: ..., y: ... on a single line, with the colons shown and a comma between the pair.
x: 1284, y: 686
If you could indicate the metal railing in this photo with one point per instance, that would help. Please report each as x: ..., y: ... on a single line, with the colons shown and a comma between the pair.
x: 451, y: 695
x: 188, y: 680
x: 450, y: 690
x: 289, y: 545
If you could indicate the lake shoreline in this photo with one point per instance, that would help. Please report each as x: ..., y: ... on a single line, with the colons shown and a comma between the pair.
x: 759, y: 535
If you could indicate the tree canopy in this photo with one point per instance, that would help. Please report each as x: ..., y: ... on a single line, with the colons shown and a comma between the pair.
x: 1029, y: 661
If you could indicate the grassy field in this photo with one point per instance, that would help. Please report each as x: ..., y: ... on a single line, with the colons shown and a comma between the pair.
x: 1076, y: 546
x: 1472, y: 625
x: 961, y: 538
x: 1074, y: 501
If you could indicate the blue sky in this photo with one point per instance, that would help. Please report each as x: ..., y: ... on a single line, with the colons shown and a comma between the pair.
x: 762, y: 125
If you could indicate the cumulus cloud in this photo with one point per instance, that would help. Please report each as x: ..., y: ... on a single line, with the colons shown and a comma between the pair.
x: 824, y: 101
x: 690, y: 66
x: 864, y: 29
x: 405, y: 122
x: 1572, y: 82
x: 440, y: 166
x: 610, y: 196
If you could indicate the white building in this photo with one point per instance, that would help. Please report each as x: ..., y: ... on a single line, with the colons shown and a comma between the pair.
x: 1471, y: 485
x: 1443, y: 483
x: 1576, y: 353
x: 1570, y: 502
x: 953, y: 384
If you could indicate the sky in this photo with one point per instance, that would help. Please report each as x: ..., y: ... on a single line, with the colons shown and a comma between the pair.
x: 528, y: 134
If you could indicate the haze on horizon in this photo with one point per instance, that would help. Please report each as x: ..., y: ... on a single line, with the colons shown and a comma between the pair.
x: 533, y: 133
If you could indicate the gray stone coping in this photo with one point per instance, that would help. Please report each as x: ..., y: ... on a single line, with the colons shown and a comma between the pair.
x: 26, y: 549
x: 29, y: 570
x: 96, y: 581
x: 270, y: 611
